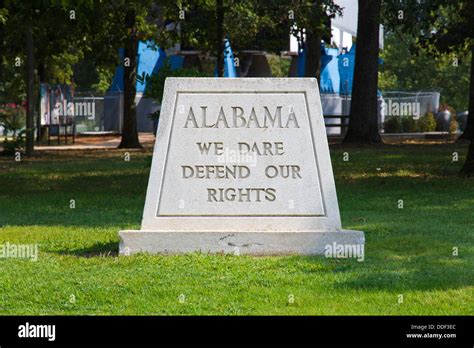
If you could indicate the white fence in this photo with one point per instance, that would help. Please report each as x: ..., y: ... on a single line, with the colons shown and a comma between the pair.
x: 399, y: 103
x: 390, y: 103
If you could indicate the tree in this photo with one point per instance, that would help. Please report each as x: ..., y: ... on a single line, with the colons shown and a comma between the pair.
x: 220, y: 37
x: 468, y: 167
x: 248, y: 24
x: 23, y: 48
x: 12, y: 81
x: 408, y: 67
x: 204, y: 24
x: 33, y: 44
x: 30, y: 93
x: 2, y: 38
x: 363, y: 121
x: 80, y: 29
x: 312, y: 43
x: 441, y: 27
x: 469, y: 132
x: 140, y: 19
x: 319, y: 27
x: 453, y: 32
x: 129, y: 130
x: 311, y: 24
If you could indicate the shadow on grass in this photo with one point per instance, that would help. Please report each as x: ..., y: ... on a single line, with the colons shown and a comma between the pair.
x: 103, y: 249
x: 115, y: 202
x: 391, y: 269
x: 400, y: 260
x: 110, y: 191
x: 417, y: 279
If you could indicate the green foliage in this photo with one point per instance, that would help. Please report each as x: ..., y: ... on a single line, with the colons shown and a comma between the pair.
x: 3, y: 15
x: 440, y: 125
x: 447, y: 107
x: 409, y: 124
x: 313, y: 16
x: 156, y: 83
x: 393, y: 124
x: 427, y: 122
x: 91, y: 75
x: 451, y: 29
x: 16, y: 143
x: 12, y: 119
x: 83, y: 49
x: 248, y: 24
x: 12, y: 86
x: 280, y: 66
x: 453, y: 125
x: 438, y: 26
x: 409, y: 17
x: 407, y: 69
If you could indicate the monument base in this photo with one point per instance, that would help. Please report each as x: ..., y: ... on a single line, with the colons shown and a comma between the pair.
x: 250, y: 243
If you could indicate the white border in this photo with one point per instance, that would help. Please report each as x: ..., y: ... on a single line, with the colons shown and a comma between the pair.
x: 308, y: 86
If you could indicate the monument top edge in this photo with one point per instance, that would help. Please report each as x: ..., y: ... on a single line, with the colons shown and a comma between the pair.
x: 226, y: 79
x: 282, y: 84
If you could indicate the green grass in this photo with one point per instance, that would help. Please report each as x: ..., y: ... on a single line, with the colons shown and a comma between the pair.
x: 408, y: 251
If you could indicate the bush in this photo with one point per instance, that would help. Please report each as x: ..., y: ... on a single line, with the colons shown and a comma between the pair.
x: 10, y: 147
x: 409, y: 125
x: 427, y: 123
x: 444, y: 107
x: 13, y: 119
x: 453, y: 125
x: 440, y: 123
x: 393, y: 125
x: 280, y: 66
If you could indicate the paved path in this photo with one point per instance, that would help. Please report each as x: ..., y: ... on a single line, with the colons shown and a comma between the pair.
x: 96, y: 143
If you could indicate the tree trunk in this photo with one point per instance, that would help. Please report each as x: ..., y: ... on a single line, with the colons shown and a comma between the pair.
x: 312, y: 42
x: 468, y: 167
x: 30, y: 93
x: 2, y: 35
x: 41, y: 79
x: 363, y: 127
x: 313, y: 55
x: 129, y: 129
x: 220, y: 37
x: 469, y: 131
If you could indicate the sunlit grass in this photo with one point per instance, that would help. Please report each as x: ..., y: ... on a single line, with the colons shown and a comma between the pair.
x: 408, y: 251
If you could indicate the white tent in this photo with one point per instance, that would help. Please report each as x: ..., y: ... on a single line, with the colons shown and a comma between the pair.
x: 343, y: 28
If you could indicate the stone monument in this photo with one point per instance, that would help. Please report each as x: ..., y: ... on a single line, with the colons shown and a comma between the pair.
x: 240, y: 166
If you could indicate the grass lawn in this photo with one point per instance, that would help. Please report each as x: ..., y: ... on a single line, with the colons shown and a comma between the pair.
x: 409, y: 251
